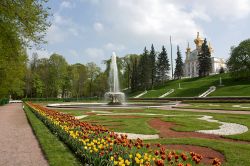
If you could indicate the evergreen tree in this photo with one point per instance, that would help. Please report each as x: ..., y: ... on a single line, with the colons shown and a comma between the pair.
x: 178, y: 73
x: 204, y: 59
x: 163, y: 66
x: 144, y: 69
x: 135, y: 74
x: 222, y: 70
x: 152, y: 56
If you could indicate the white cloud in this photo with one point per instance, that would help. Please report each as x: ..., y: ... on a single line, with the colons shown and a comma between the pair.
x: 67, y: 4
x: 224, y: 9
x: 73, y: 53
x: 94, y: 53
x: 62, y: 28
x: 114, y: 47
x: 98, y: 26
x: 149, y: 20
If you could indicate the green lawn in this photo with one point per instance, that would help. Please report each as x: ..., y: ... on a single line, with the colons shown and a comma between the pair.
x: 191, y: 87
x: 56, y: 152
x: 129, y: 125
x: 185, y: 121
x: 220, y: 106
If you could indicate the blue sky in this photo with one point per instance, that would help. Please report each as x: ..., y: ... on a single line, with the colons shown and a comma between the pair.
x: 89, y: 30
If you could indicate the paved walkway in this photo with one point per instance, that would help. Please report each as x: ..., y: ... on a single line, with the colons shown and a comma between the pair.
x: 18, y: 144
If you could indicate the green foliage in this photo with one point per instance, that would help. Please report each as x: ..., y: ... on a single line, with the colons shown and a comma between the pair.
x: 135, y: 73
x: 222, y: 70
x: 178, y: 73
x: 22, y: 23
x: 4, y: 101
x: 78, y: 79
x: 204, y: 59
x: 163, y: 66
x: 145, y: 70
x: 93, y: 72
x: 152, y: 66
x: 239, y: 61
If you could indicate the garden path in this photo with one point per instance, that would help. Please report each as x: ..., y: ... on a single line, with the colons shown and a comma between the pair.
x: 18, y: 144
x: 179, y: 106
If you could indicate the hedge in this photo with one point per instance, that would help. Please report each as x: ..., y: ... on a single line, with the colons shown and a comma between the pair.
x: 4, y: 101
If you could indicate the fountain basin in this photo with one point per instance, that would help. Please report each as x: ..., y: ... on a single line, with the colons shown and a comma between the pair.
x: 107, y: 106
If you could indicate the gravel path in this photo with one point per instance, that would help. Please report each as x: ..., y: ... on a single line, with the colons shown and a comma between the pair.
x: 18, y: 144
x: 225, y: 128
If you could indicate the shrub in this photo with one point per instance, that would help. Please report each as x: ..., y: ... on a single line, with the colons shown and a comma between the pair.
x: 4, y: 101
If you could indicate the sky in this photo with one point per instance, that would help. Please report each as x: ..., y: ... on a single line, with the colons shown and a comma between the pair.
x: 90, y: 30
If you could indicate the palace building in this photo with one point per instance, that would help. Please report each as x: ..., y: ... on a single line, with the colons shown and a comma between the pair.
x: 191, y: 67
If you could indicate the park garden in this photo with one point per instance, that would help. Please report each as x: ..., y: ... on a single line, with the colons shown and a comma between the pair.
x: 136, y: 109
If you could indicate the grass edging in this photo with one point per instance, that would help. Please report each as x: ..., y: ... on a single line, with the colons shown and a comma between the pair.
x: 56, y: 152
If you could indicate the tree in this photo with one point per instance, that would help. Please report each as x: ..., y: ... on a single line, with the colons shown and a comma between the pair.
x: 144, y: 70
x: 163, y: 66
x: 222, y: 70
x: 134, y: 59
x: 178, y: 73
x: 78, y: 79
x: 239, y: 61
x: 23, y: 23
x: 93, y: 72
x: 58, y: 73
x: 152, y: 65
x: 204, y: 60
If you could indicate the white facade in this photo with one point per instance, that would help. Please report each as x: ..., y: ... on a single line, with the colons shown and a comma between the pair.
x: 191, y: 67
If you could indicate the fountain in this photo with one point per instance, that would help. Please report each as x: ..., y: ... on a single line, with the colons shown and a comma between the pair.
x: 115, y: 96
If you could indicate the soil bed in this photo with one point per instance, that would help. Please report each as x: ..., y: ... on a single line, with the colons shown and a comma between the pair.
x: 207, y: 153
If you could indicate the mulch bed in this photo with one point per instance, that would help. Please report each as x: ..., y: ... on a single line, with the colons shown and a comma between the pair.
x: 207, y: 153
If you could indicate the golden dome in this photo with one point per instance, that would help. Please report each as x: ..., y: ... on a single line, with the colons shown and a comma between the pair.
x: 198, y: 41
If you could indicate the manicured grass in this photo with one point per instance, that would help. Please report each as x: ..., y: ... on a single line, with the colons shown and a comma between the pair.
x: 191, y: 87
x: 55, y: 151
x: 130, y: 125
x: 235, y: 154
x: 187, y: 123
x: 183, y: 123
x: 220, y: 106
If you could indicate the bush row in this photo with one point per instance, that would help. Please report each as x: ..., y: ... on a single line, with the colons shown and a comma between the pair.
x: 4, y: 101
x: 61, y: 99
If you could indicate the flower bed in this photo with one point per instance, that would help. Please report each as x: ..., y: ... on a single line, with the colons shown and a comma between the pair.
x: 95, y: 145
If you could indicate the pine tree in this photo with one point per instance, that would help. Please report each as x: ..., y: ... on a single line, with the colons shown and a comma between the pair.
x: 135, y: 74
x: 144, y: 69
x: 204, y: 59
x: 178, y: 73
x: 152, y: 56
x: 163, y: 66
